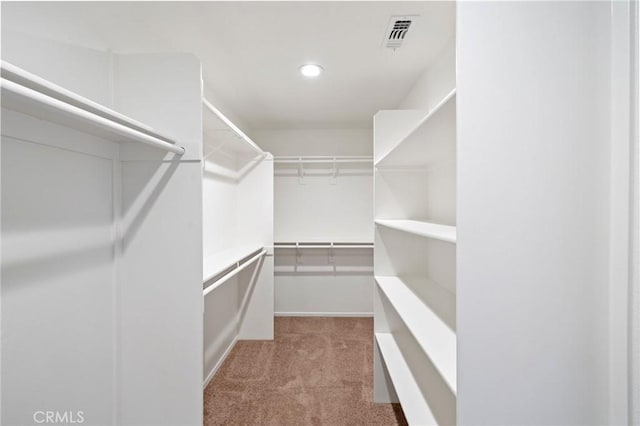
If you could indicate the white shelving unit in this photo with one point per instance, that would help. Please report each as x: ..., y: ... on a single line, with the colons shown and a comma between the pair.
x: 415, y: 236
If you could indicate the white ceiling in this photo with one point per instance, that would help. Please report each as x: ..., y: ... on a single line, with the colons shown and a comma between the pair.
x: 250, y: 51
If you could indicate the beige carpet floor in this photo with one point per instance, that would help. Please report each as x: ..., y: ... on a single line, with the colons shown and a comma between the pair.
x: 317, y: 371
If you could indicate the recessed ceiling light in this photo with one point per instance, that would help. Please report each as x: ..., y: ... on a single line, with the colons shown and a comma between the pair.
x: 311, y: 70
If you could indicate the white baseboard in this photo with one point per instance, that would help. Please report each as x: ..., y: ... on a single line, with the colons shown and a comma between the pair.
x: 324, y: 314
x: 214, y: 370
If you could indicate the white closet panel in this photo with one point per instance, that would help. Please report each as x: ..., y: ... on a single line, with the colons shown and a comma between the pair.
x: 103, y: 238
x: 57, y: 278
x: 415, y: 250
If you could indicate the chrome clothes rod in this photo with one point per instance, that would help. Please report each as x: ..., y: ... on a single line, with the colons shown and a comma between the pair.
x: 25, y: 78
x: 323, y: 159
x: 14, y: 89
x: 321, y: 245
x: 217, y: 283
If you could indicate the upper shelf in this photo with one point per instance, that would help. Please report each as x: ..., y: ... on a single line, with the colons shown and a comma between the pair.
x: 418, y: 139
x: 228, y: 151
x: 220, y: 132
x: 33, y: 95
x: 436, y: 231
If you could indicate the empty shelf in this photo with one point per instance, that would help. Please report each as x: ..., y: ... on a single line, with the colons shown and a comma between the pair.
x: 435, y: 338
x: 223, y: 260
x: 411, y: 148
x: 424, y: 229
x: 231, y: 132
x: 414, y: 405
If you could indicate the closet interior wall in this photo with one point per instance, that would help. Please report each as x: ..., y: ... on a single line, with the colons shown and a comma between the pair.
x: 237, y: 196
x: 543, y: 212
x: 319, y: 207
x: 101, y: 244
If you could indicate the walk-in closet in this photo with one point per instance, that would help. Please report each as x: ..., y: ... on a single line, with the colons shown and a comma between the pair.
x: 320, y: 213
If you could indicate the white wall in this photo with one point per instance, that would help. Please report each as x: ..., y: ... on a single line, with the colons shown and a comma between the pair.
x: 326, y: 210
x: 533, y: 175
x: 57, y: 274
x: 315, y: 141
x: 438, y: 79
x: 634, y: 295
x: 87, y: 72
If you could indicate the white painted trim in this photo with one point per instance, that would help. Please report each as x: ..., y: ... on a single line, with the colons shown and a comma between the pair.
x: 215, y: 369
x: 324, y: 314
x: 619, y: 211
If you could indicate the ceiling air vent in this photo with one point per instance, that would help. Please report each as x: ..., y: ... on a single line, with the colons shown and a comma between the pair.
x: 397, y: 31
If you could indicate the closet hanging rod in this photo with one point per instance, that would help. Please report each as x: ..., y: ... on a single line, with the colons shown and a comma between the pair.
x: 232, y: 126
x: 324, y: 245
x: 323, y: 159
x: 217, y: 283
x: 13, y: 91
x: 31, y: 81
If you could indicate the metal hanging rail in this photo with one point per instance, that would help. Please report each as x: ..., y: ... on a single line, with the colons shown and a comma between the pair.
x: 232, y: 271
x: 331, y: 246
x: 321, y: 245
x: 323, y: 159
x: 331, y: 161
x: 31, y: 94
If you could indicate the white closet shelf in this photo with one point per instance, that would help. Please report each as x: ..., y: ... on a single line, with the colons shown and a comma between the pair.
x: 400, y: 154
x: 233, y: 132
x: 414, y: 405
x: 32, y: 95
x: 436, y: 231
x: 219, y: 262
x: 433, y: 335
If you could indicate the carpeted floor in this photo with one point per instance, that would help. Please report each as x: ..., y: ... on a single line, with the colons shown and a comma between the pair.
x: 318, y: 371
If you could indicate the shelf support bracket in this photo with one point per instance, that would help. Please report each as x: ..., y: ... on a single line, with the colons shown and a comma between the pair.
x: 300, y: 171
x: 332, y: 258
x: 335, y: 172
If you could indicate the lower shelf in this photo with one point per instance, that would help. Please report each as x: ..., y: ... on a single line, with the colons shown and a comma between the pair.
x: 434, y: 336
x: 414, y: 405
